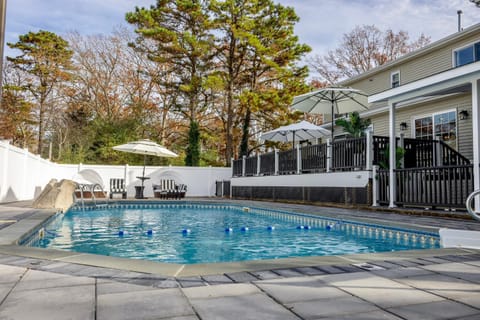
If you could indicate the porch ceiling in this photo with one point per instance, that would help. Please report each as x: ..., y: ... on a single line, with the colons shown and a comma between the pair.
x: 455, y: 80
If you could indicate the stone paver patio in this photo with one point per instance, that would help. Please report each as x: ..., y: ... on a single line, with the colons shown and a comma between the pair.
x: 440, y: 284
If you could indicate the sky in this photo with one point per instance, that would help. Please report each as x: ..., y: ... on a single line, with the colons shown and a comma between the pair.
x: 322, y: 22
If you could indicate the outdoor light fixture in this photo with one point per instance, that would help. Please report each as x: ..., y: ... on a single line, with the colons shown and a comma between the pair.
x: 403, y: 126
x: 464, y: 113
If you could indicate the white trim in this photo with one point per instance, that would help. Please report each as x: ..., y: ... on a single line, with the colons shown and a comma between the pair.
x: 391, y: 78
x: 448, y: 79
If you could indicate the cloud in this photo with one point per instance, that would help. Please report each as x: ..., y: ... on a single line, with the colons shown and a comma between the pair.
x: 322, y: 23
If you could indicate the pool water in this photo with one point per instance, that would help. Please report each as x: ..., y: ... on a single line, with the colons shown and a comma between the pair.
x: 190, y: 234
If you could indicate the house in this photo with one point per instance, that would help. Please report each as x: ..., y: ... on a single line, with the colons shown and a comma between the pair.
x: 426, y: 101
x: 431, y: 93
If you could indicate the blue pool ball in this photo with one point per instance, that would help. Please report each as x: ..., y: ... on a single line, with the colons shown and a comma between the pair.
x: 121, y: 233
x: 300, y: 227
x: 307, y: 227
x: 228, y: 229
x: 244, y: 229
x: 270, y: 228
x: 150, y: 232
x: 186, y: 231
x: 329, y: 227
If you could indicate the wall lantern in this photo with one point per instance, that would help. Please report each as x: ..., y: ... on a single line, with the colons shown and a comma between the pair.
x: 463, y: 114
x: 403, y: 126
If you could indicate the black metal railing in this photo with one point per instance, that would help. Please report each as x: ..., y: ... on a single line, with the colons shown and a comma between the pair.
x: 287, y: 162
x: 314, y: 158
x: 267, y: 163
x: 446, y: 186
x: 349, y: 154
x: 251, y: 166
x: 237, y: 168
x: 451, y: 157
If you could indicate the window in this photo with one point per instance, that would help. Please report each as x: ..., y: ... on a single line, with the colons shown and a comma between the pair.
x: 466, y: 55
x: 442, y: 126
x: 395, y: 79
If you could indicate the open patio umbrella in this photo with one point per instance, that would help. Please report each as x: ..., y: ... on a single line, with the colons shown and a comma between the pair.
x: 332, y: 100
x: 302, y: 130
x: 147, y: 148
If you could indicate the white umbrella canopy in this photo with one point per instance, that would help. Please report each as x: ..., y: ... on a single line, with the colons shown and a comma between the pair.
x: 331, y: 100
x: 147, y: 148
x: 302, y: 130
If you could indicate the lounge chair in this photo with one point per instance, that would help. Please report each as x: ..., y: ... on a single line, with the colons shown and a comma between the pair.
x: 118, y: 186
x: 165, y: 189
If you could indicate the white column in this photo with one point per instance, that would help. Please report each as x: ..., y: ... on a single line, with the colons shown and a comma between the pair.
x: 369, y: 150
x: 329, y: 155
x: 258, y: 164
x: 476, y: 135
x: 299, y: 159
x: 244, y: 164
x: 392, y: 152
x: 402, y: 145
x: 276, y: 161
x: 375, y: 186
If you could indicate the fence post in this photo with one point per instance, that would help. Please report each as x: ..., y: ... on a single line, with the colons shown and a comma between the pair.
x: 402, y: 145
x: 232, y: 166
x: 276, y: 161
x: 329, y: 155
x: 438, y: 152
x: 375, y: 186
x: 125, y: 174
x: 244, y: 164
x: 369, y: 147
x: 299, y: 159
x: 258, y: 164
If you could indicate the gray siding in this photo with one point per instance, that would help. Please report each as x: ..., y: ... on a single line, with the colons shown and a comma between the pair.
x: 430, y: 63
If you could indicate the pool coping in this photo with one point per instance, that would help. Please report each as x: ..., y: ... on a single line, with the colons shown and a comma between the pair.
x: 11, y: 235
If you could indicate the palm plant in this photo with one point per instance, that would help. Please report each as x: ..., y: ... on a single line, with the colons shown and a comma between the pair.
x: 354, y: 125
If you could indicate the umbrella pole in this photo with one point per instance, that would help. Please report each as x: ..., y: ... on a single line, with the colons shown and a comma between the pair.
x: 333, y: 116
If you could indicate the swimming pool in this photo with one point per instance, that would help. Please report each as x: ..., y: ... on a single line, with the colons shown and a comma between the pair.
x: 191, y: 233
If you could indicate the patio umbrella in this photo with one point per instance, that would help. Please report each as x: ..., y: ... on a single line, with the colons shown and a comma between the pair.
x: 147, y: 148
x: 333, y: 100
x: 302, y: 130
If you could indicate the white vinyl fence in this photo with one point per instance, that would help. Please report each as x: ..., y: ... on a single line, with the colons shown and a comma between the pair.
x: 23, y: 175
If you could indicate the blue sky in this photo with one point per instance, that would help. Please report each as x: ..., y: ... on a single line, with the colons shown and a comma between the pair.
x: 322, y: 22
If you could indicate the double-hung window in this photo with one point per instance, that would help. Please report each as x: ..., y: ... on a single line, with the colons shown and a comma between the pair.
x: 466, y: 55
x: 395, y: 79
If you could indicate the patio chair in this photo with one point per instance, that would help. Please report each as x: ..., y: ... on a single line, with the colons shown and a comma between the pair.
x: 181, y: 191
x: 118, y: 186
x: 165, y: 189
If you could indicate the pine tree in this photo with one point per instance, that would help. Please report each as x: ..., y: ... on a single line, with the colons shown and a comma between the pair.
x: 46, y: 57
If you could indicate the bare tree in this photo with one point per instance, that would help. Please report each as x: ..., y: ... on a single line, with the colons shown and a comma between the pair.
x: 363, y: 49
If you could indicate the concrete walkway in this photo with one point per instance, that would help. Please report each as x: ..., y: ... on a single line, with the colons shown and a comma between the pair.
x: 442, y: 290
x: 438, y: 284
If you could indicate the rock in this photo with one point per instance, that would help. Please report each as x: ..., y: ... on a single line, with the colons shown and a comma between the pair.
x: 56, y: 195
